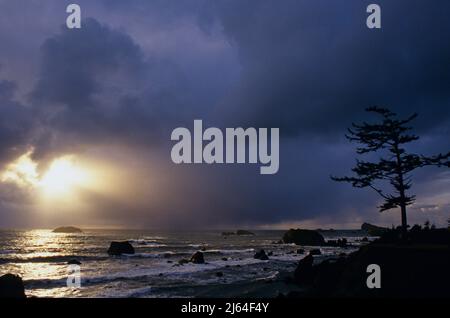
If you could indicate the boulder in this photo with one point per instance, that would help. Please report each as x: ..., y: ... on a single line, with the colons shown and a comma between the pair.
x: 183, y: 261
x: 74, y: 262
x: 11, y: 286
x: 261, y: 255
x: 67, y: 229
x: 197, y: 258
x: 303, y: 237
x: 118, y: 248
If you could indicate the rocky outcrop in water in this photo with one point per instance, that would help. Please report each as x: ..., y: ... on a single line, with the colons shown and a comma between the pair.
x: 11, y: 286
x: 119, y: 248
x: 67, y: 229
x: 244, y: 232
x: 261, y: 255
x: 373, y: 230
x: 197, y: 258
x: 303, y: 237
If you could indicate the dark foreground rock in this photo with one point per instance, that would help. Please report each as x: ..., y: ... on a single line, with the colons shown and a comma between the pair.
x: 67, y: 229
x: 197, y: 258
x: 304, y: 273
x: 118, y: 248
x: 303, y: 237
x: 406, y: 271
x: 74, y: 262
x: 11, y: 286
x: 261, y: 255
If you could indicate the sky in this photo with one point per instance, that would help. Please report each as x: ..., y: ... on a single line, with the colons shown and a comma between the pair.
x: 105, y: 99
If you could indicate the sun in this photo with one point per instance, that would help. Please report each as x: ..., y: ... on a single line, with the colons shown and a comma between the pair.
x: 62, y: 177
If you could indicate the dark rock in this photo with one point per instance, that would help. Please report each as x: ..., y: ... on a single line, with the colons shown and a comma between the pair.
x: 300, y: 251
x: 339, y: 243
x: 11, y: 286
x: 227, y: 233
x: 373, y: 230
x: 364, y: 239
x: 74, y: 262
x: 197, y: 258
x: 270, y: 253
x: 67, y: 229
x: 315, y: 251
x: 169, y: 261
x: 118, y: 248
x: 224, y: 259
x: 412, y: 271
x: 219, y: 274
x: 303, y: 237
x: 261, y: 254
x: 244, y: 232
x: 304, y: 272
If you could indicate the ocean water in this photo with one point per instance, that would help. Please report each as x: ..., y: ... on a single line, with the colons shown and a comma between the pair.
x: 40, y: 257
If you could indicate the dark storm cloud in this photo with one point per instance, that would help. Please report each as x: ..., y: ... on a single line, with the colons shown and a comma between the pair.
x: 96, y: 84
x: 15, y: 123
x: 310, y: 66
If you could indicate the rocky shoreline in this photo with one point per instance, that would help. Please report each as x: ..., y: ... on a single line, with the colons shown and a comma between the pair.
x: 412, y: 266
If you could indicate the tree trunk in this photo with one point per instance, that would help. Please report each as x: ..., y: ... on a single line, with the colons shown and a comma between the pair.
x: 404, y: 220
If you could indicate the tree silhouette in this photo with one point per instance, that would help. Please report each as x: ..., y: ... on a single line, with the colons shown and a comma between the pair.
x: 388, y: 137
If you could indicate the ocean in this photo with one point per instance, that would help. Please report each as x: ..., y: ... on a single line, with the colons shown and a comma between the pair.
x: 40, y: 257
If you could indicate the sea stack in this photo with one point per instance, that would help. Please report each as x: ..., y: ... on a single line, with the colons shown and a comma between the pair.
x: 67, y: 229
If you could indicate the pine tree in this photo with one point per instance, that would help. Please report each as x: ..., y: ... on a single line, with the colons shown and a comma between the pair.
x: 389, y: 137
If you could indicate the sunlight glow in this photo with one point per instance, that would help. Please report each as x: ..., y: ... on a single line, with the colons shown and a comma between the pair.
x: 62, y: 177
x: 22, y: 171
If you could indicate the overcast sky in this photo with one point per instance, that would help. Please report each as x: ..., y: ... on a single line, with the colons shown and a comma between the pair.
x: 111, y: 93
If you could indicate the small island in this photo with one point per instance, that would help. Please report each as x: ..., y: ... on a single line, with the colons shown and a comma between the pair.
x: 67, y: 229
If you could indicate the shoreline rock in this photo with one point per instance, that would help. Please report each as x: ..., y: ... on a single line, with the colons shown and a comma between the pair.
x: 411, y: 268
x: 11, y: 286
x: 373, y: 230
